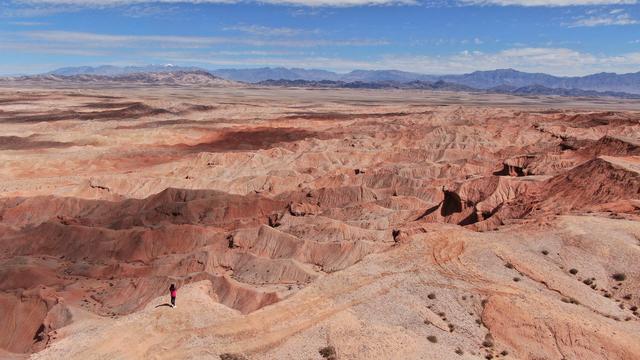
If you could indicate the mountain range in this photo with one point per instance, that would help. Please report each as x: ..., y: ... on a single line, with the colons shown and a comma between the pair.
x: 111, y: 70
x: 602, y: 82
x: 418, y: 84
x: 174, y: 77
x: 440, y: 85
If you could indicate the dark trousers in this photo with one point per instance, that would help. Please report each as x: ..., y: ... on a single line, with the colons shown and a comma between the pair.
x: 173, y: 301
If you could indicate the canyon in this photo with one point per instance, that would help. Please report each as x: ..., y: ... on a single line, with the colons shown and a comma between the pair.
x: 317, y: 223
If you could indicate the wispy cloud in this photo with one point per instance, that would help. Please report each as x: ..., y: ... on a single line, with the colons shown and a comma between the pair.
x: 450, y: 41
x: 467, y: 41
x: 49, y: 49
x: 617, y: 17
x: 548, y: 3
x: 53, y: 5
x: 259, y: 30
x: 109, y: 3
x: 35, y: 10
x: 28, y: 23
x: 150, y: 10
x: 308, y: 3
x: 309, y: 12
x: 624, y: 19
x: 86, y: 39
x: 341, y: 3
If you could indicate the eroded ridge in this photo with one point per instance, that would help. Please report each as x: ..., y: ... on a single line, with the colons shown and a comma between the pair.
x: 374, y: 225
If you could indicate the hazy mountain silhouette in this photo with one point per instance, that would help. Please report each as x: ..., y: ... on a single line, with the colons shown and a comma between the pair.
x: 601, y: 82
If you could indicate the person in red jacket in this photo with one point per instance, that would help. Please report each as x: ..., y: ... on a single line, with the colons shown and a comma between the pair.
x: 174, y: 292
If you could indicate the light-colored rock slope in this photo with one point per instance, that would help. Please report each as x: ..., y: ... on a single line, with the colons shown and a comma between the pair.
x: 381, y: 308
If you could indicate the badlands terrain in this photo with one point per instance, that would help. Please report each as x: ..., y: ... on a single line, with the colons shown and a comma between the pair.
x: 317, y: 224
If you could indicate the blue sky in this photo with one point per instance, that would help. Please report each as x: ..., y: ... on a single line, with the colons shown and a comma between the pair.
x: 560, y: 37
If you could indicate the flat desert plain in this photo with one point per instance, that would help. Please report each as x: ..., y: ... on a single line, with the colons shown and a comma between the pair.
x: 317, y: 224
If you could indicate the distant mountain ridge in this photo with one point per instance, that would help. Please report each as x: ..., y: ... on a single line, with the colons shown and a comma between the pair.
x: 628, y: 83
x: 602, y: 82
x: 418, y: 84
x: 195, y: 77
x: 279, y: 73
x: 111, y: 70
x: 440, y: 85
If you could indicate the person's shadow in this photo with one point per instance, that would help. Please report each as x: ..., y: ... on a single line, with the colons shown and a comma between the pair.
x: 165, y: 304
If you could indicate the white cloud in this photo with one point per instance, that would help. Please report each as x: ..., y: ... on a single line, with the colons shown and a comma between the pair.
x: 259, y: 30
x: 340, y: 3
x: 48, y: 49
x: 309, y: 3
x: 549, y: 3
x: 329, y: 3
x: 28, y: 23
x: 614, y: 17
x: 86, y: 39
x: 150, y: 10
x: 109, y: 3
x: 34, y: 10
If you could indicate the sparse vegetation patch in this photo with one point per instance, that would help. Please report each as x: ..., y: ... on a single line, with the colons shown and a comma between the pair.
x: 619, y: 277
x: 229, y: 356
x: 328, y: 352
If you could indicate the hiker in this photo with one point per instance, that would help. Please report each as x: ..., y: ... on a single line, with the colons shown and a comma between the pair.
x: 174, y: 291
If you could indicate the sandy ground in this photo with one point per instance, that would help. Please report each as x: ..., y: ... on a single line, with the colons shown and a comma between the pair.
x: 380, y: 308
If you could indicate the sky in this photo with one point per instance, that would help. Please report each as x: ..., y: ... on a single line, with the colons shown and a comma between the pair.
x: 559, y: 37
